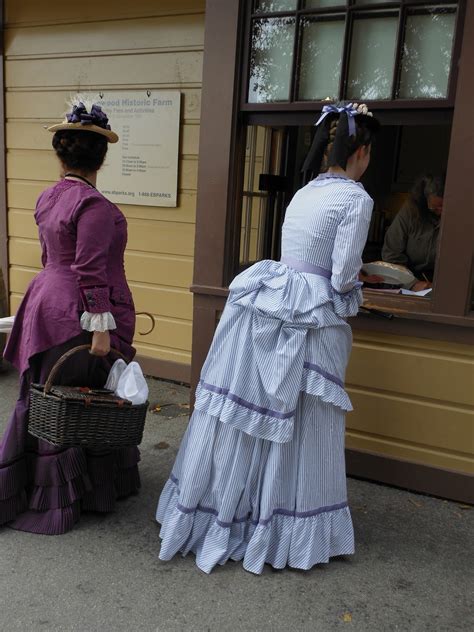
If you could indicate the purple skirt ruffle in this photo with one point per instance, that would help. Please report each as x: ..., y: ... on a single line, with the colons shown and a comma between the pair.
x: 43, y: 489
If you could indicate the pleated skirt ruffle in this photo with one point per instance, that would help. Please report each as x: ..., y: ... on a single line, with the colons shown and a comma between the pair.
x: 46, y: 493
x: 235, y: 496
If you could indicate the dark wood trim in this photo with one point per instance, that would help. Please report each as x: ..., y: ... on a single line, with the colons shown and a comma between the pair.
x: 417, y: 477
x: 220, y: 72
x: 165, y: 369
x: 216, y: 171
x: 4, y: 263
x: 456, y: 245
x: 413, y: 328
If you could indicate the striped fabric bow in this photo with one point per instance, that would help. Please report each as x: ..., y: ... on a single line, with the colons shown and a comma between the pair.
x: 349, y: 109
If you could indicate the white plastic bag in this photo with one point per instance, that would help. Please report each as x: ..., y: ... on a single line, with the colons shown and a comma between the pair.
x: 6, y: 324
x: 132, y: 384
x: 116, y: 371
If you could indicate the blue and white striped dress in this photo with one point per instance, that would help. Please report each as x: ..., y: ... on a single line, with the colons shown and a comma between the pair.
x: 260, y: 474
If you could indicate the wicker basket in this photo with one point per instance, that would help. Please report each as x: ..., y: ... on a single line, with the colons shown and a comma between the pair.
x: 84, y: 417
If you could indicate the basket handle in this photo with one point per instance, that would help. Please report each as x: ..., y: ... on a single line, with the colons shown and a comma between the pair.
x: 66, y: 356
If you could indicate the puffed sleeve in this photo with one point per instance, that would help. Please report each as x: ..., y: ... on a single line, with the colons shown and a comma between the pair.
x: 350, y: 240
x: 94, y: 226
x: 349, y: 244
x: 396, y: 237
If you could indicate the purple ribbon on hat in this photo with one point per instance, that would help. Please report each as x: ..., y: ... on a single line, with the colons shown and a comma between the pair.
x: 350, y: 111
x: 96, y: 116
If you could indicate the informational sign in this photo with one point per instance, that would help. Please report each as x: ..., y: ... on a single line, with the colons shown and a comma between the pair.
x: 142, y: 168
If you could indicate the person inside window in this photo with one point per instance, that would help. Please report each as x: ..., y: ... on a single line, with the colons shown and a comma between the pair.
x: 412, y: 238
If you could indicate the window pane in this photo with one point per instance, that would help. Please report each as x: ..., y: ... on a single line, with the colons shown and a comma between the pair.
x: 321, y: 56
x: 427, y: 56
x: 372, y: 58
x: 270, y: 6
x: 318, y: 4
x: 271, y: 59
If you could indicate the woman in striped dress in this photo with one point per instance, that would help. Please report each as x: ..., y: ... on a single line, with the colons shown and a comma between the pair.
x: 260, y: 474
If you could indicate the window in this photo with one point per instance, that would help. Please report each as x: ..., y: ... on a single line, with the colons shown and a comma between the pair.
x: 312, y: 50
x: 401, y: 57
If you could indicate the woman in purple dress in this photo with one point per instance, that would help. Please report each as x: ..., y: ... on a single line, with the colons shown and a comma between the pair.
x: 80, y: 296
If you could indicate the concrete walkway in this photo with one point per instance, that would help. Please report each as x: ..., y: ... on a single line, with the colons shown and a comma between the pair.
x: 412, y: 570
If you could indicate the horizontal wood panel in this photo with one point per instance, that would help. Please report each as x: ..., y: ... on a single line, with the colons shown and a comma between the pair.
x: 163, y: 237
x: 416, y: 454
x: 172, y: 334
x: 22, y: 224
x: 411, y: 420
x: 32, y: 135
x: 159, y: 269
x: 22, y: 195
x: 437, y: 347
x: 165, y: 301
x: 23, y: 252
x: 419, y: 373
x: 182, y: 31
x: 162, y: 353
x: 51, y: 105
x: 177, y: 68
x: 39, y: 165
x: 58, y: 11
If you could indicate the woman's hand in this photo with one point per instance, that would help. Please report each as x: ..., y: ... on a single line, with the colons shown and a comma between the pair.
x: 418, y: 286
x: 370, y: 278
x: 100, y: 343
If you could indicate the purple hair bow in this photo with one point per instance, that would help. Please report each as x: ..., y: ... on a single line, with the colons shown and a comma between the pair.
x: 350, y: 111
x: 96, y: 116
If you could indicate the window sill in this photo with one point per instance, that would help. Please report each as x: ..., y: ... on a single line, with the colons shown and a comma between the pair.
x: 414, y: 308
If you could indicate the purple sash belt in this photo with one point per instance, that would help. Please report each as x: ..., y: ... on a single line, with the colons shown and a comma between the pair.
x: 304, y: 266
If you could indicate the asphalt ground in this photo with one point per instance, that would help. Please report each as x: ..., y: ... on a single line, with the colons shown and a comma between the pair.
x: 413, y: 567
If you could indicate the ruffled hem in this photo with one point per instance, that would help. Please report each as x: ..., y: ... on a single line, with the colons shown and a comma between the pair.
x: 46, y: 493
x: 263, y: 423
x: 98, y: 322
x: 283, y: 540
x: 327, y: 390
x: 242, y: 416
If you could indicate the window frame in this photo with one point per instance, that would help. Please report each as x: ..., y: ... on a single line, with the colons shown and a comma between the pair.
x: 352, y: 12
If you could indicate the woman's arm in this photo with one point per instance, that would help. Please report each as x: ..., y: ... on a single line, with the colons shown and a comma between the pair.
x: 349, y: 244
x: 94, y: 234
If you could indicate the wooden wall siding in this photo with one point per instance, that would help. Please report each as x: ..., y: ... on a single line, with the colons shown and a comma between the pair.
x: 413, y: 399
x: 107, y: 46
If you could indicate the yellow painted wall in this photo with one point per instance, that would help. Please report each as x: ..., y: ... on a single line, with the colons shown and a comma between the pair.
x: 413, y: 399
x: 55, y: 49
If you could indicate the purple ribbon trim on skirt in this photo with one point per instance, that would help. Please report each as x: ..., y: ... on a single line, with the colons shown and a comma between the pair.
x: 246, y: 404
x: 304, y: 266
x: 263, y: 521
x: 328, y: 376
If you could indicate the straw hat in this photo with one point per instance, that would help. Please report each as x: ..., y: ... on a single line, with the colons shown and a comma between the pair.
x: 94, y: 120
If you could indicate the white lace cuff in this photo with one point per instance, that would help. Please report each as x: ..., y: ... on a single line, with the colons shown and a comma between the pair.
x: 97, y: 322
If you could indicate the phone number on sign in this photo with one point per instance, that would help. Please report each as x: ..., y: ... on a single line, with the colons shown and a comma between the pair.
x: 153, y: 194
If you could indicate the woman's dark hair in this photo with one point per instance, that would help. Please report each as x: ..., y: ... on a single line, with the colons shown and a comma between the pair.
x: 424, y: 186
x: 78, y: 149
x: 333, y: 146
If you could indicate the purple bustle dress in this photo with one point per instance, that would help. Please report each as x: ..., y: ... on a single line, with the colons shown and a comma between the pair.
x: 43, y: 489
